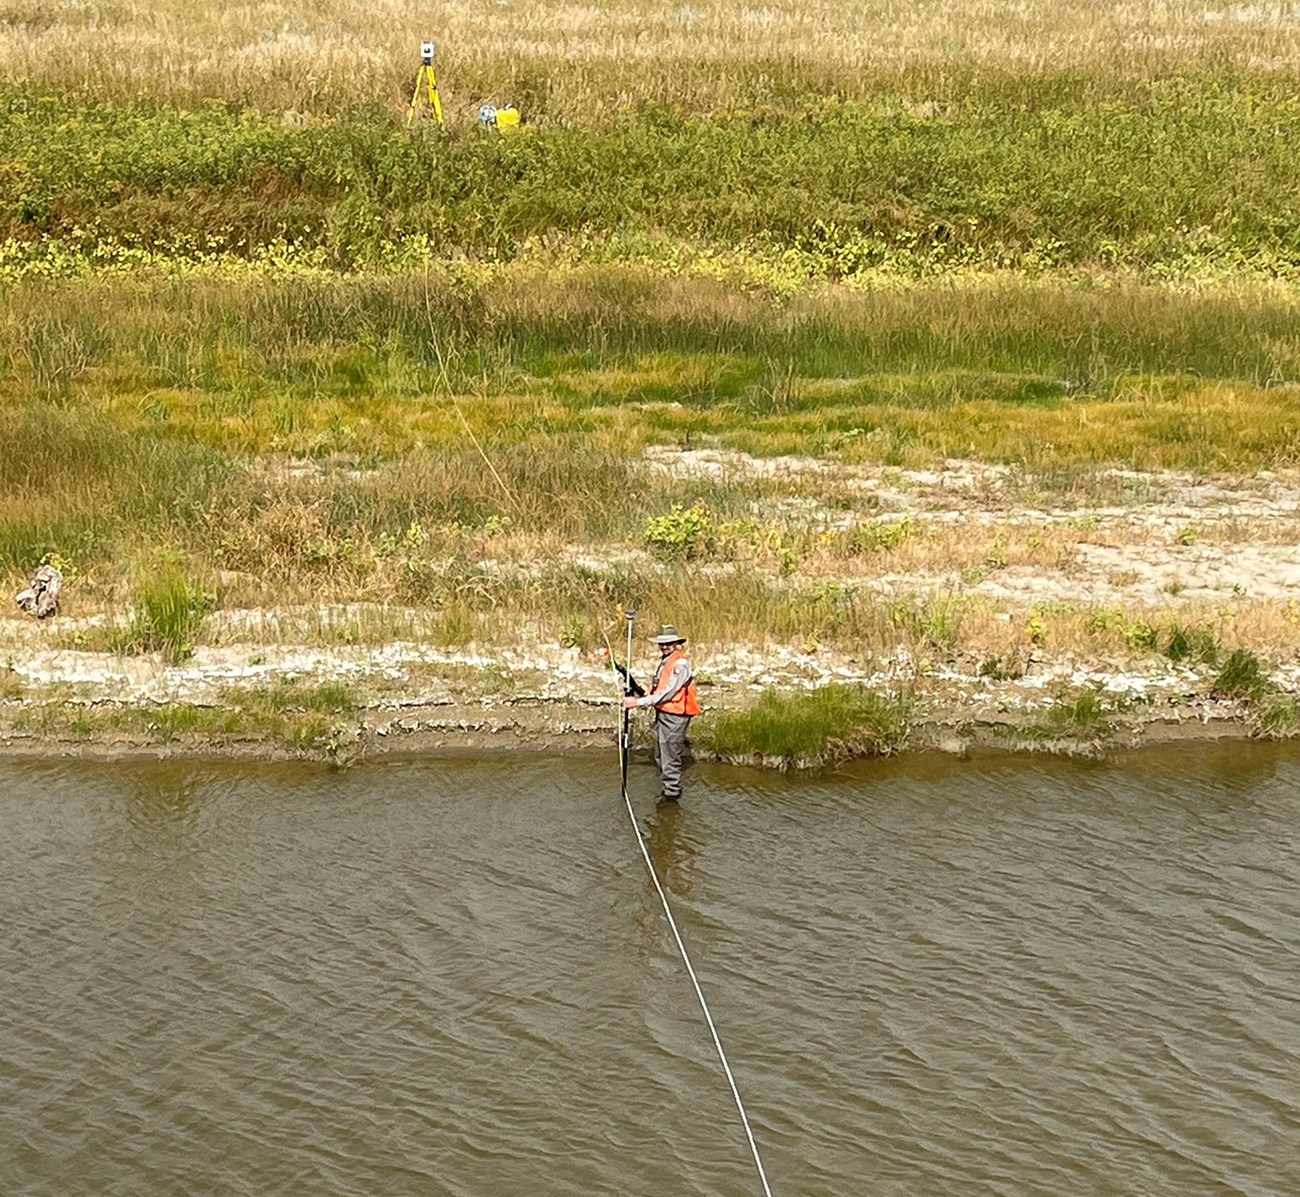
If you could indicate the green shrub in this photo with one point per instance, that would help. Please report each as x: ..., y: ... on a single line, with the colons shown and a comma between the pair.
x: 683, y: 534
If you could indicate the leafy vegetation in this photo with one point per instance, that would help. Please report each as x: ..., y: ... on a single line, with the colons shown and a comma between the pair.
x: 681, y: 533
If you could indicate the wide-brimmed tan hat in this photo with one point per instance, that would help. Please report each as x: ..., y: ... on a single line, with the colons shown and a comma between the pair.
x: 668, y: 634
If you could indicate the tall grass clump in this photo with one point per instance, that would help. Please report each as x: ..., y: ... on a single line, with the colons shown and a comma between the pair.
x: 169, y: 607
x: 1191, y: 644
x: 812, y: 728
x: 1242, y: 676
x: 74, y: 480
x: 1278, y: 720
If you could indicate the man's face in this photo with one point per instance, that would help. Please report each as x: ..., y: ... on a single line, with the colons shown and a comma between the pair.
x: 665, y: 649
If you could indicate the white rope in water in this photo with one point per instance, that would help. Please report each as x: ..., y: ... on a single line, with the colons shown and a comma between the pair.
x: 699, y: 993
x: 681, y: 947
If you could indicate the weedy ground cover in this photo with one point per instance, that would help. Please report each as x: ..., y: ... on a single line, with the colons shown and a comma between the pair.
x: 1055, y: 371
x: 1084, y: 714
x: 453, y: 442
x: 293, y: 715
x: 1163, y: 174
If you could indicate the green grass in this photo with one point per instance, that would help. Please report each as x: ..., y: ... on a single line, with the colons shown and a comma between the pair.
x: 73, y: 479
x: 810, y: 728
x: 1192, y: 644
x: 301, y: 358
x: 11, y: 685
x: 1053, y: 373
x: 1278, y: 719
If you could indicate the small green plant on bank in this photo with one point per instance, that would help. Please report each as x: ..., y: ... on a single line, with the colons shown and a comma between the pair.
x: 811, y: 728
x: 1082, y: 714
x: 408, y: 544
x: 1006, y: 667
x: 931, y: 621
x: 1140, y: 635
x: 11, y: 684
x: 574, y: 632
x: 1243, y: 676
x: 878, y: 536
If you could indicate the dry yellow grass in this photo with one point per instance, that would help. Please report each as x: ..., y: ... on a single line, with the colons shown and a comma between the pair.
x: 567, y: 56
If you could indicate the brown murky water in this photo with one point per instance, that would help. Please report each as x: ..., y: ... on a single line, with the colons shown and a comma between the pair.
x: 453, y: 977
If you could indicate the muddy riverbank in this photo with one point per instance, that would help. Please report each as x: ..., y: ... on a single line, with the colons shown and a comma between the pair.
x: 464, y: 705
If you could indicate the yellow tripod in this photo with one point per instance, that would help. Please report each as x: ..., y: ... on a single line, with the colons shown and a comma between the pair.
x: 424, y: 76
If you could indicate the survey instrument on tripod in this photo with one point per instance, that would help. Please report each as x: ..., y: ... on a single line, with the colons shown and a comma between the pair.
x: 428, y: 102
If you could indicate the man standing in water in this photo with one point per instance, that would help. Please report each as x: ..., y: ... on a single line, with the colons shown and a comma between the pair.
x: 674, y: 701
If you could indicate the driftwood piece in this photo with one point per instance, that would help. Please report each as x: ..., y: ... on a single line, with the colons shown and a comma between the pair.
x: 41, y: 598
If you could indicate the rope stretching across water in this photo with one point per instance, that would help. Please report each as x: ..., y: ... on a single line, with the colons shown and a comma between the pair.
x: 681, y: 947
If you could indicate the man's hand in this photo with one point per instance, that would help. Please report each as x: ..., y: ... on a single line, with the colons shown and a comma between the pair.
x: 629, y: 704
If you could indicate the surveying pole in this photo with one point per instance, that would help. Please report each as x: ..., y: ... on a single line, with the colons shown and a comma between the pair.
x: 425, y: 77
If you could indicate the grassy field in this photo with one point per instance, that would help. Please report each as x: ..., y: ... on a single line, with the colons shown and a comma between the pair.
x: 572, y: 63
x: 917, y: 138
x: 260, y: 344
x: 470, y: 447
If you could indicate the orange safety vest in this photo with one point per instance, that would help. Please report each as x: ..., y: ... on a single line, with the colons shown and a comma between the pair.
x: 684, y: 701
